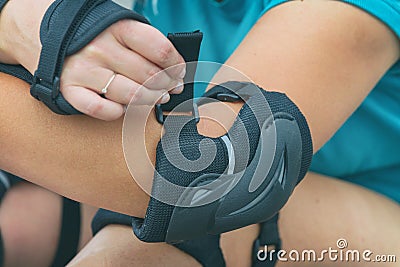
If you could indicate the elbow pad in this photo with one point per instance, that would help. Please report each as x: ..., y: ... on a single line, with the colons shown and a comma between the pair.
x: 66, y: 28
x: 208, y: 185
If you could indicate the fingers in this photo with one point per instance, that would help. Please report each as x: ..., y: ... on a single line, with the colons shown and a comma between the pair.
x: 121, y: 91
x: 140, y: 69
x: 92, y: 104
x: 134, y: 61
x: 125, y: 91
x: 119, y: 88
x: 152, y: 45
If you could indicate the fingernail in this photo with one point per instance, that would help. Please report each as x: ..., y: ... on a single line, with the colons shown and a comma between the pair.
x: 183, y: 73
x: 178, y: 89
x: 165, y: 98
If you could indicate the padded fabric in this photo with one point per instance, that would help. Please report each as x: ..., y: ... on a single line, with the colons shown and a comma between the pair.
x: 154, y: 227
x: 171, y: 222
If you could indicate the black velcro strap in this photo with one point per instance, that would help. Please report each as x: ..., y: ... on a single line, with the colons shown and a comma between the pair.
x: 268, y: 244
x: 17, y: 71
x: 188, y: 45
x: 106, y: 217
x: 67, y: 27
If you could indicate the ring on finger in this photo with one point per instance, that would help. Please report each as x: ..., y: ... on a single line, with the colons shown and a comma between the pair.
x: 105, y: 88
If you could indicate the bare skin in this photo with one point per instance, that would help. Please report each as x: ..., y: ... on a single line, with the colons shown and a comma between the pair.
x: 77, y: 148
x: 30, y: 220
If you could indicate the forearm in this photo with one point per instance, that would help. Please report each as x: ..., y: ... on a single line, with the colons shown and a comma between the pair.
x: 19, y: 30
x: 76, y: 156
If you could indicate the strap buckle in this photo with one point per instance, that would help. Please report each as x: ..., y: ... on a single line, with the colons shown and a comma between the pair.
x: 160, y: 116
x: 47, y: 92
x: 42, y: 92
x: 226, y: 97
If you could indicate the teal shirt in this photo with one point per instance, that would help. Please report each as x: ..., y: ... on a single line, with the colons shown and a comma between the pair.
x: 366, y: 149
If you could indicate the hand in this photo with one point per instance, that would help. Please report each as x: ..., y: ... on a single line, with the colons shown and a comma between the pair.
x: 134, y: 52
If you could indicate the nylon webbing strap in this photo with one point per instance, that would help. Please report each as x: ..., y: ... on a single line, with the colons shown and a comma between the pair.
x: 17, y: 71
x: 54, y: 46
x: 188, y: 45
x: 268, y: 244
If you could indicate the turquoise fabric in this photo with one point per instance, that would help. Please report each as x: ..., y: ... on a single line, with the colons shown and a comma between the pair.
x: 365, y: 150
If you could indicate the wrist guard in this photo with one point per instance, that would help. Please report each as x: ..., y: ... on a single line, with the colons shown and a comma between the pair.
x: 66, y: 28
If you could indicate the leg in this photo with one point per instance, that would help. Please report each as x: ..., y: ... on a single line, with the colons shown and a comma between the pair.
x: 115, y: 245
x: 30, y: 220
x: 321, y: 211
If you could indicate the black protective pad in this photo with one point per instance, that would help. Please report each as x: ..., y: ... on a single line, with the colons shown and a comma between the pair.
x: 266, y: 118
x: 66, y: 28
x: 155, y: 226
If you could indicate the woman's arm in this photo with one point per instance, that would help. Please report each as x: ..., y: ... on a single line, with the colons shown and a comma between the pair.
x: 121, y: 58
x: 325, y: 55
